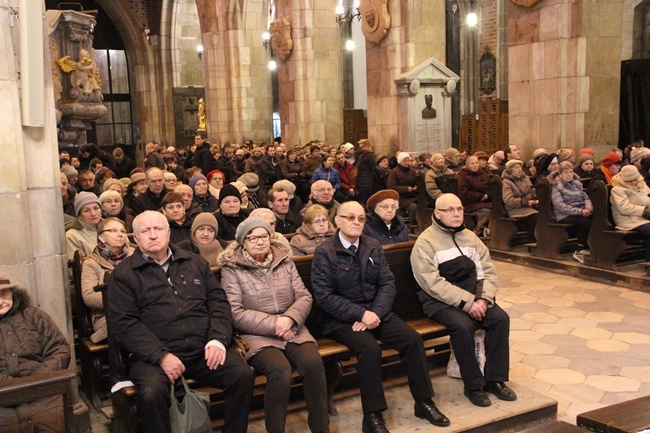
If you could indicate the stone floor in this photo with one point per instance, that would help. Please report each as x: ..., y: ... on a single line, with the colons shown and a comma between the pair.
x: 584, y: 344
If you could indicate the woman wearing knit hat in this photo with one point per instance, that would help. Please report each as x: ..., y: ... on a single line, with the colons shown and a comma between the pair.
x: 609, y: 166
x: 216, y: 179
x: 203, y: 238
x: 115, y: 185
x: 571, y: 205
x: 230, y: 213
x: 270, y: 304
x: 584, y: 168
x: 519, y: 195
x: 315, y: 229
x: 112, y: 247
x: 81, y: 233
x: 630, y: 200
x: 113, y: 206
x: 383, y: 223
x: 202, y: 196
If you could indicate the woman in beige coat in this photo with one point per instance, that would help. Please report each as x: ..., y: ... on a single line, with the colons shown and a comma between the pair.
x: 270, y: 304
x: 315, y: 229
x: 631, y: 204
x: 112, y: 247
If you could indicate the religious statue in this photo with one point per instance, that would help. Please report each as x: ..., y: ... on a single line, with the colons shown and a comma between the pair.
x: 83, y: 74
x: 429, y: 112
x: 201, y: 114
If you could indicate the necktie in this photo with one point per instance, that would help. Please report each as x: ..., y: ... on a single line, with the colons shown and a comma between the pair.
x: 353, y: 249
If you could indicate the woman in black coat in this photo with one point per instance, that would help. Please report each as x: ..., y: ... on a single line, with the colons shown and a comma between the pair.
x: 364, y: 163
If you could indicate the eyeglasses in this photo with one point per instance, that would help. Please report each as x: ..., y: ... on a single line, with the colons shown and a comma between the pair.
x: 256, y: 239
x: 387, y: 206
x: 452, y: 210
x: 114, y: 231
x: 351, y: 218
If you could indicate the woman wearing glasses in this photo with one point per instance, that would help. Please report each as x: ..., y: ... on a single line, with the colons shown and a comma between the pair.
x: 315, y: 228
x: 383, y: 222
x: 112, y: 247
x: 270, y: 304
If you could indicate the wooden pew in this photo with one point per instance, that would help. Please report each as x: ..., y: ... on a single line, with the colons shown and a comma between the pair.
x: 406, y: 305
x: 551, y: 236
x: 608, y: 245
x: 92, y: 356
x: 503, y: 228
x: 21, y: 390
x: 627, y: 417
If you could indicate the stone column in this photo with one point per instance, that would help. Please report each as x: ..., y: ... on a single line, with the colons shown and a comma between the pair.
x: 310, y: 80
x: 564, y: 75
x: 417, y: 32
x: 237, y: 82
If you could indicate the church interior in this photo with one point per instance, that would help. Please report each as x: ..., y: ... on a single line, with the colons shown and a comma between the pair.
x: 417, y: 76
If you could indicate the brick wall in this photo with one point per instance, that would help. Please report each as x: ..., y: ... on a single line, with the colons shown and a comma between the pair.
x: 146, y: 13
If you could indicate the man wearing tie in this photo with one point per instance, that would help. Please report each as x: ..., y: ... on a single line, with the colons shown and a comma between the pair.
x: 355, y: 288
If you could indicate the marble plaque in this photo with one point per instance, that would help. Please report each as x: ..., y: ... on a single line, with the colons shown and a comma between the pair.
x: 427, y: 134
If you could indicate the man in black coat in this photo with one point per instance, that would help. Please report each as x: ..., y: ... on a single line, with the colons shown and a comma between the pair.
x: 202, y: 156
x: 355, y: 290
x: 167, y: 310
x: 152, y: 197
x: 285, y: 221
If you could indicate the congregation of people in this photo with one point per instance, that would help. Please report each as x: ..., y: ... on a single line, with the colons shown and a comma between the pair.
x: 161, y: 229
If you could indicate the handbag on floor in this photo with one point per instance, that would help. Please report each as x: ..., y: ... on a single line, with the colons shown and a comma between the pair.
x: 453, y: 370
x: 191, y: 415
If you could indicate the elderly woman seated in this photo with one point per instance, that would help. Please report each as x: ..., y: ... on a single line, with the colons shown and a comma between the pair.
x: 609, y: 166
x: 113, y: 206
x: 202, y: 196
x: 31, y: 343
x: 179, y: 224
x: 571, y: 205
x: 112, y: 247
x: 473, y: 183
x: 230, y: 213
x: 269, y: 305
x: 81, y: 233
x: 519, y: 194
x: 630, y: 200
x: 584, y: 168
x: 438, y: 168
x: 269, y: 216
x: 203, y: 238
x: 315, y: 229
x: 383, y: 222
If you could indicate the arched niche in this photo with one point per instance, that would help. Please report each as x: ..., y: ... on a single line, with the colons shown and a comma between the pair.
x: 641, y: 32
x: 187, y: 66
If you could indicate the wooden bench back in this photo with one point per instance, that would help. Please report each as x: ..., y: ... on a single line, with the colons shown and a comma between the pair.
x: 543, y: 192
x: 83, y: 319
x: 495, y: 191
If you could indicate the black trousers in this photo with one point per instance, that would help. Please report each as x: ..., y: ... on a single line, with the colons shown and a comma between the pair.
x: 277, y: 366
x: 400, y: 337
x: 461, y: 329
x: 583, y: 224
x: 235, y: 378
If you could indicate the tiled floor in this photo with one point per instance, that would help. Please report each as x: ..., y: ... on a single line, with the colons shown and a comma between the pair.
x: 584, y: 344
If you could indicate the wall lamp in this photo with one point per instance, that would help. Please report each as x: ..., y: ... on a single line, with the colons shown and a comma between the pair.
x: 344, y: 16
x: 199, y: 51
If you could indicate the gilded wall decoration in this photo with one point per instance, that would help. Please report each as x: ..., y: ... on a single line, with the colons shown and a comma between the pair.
x: 281, y: 41
x: 375, y: 20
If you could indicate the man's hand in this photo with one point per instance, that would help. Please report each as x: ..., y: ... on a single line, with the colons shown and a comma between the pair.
x: 214, y: 357
x: 358, y: 327
x: 172, y: 366
x: 370, y: 319
x: 478, y: 309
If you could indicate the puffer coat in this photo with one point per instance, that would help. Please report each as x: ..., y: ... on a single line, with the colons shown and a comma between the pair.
x: 306, y: 239
x: 31, y: 343
x: 259, y: 295
x: 517, y: 192
x: 472, y: 186
x: 629, y: 203
x: 568, y: 198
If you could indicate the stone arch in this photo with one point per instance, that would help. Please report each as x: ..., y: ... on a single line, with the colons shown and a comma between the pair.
x: 641, y: 31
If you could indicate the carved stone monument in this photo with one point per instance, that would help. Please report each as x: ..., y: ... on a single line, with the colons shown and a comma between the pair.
x: 77, y: 85
x: 425, y: 103
x: 375, y: 20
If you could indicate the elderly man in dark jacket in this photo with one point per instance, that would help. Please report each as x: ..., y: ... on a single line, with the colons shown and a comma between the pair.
x: 355, y: 289
x: 167, y: 309
x: 152, y: 198
x: 403, y: 179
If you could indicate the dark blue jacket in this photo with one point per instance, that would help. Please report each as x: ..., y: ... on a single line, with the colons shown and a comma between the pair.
x: 376, y: 228
x: 346, y: 285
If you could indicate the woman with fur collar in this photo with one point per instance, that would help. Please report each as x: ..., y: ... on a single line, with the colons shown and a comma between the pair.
x: 31, y: 343
x: 631, y: 203
x: 270, y: 305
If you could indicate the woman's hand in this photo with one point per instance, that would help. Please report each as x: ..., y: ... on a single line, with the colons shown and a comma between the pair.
x: 283, y: 328
x: 586, y: 212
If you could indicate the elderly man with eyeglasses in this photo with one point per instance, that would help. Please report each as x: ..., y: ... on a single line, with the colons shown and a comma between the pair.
x: 458, y: 289
x: 355, y: 290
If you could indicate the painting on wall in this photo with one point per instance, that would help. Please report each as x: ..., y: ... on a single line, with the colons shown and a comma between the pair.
x: 487, y: 70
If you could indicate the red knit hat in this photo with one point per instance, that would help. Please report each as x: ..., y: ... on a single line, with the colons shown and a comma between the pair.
x: 380, y: 196
x: 611, y: 159
x: 588, y: 151
x: 213, y: 172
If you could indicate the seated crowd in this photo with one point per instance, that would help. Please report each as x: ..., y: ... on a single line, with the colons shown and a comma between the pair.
x: 237, y: 216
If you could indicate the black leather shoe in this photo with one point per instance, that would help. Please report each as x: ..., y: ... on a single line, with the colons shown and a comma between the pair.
x: 500, y: 390
x: 427, y: 409
x: 477, y: 397
x: 374, y: 423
